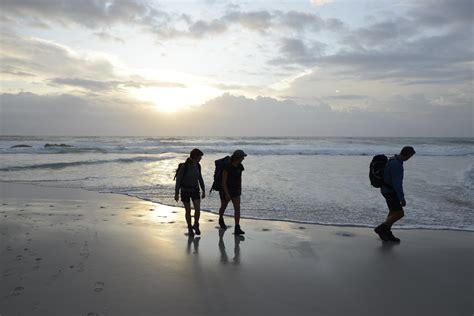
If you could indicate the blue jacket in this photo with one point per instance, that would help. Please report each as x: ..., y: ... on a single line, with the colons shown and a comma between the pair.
x: 393, y: 176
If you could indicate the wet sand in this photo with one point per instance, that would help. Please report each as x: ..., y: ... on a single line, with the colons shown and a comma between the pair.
x: 73, y: 252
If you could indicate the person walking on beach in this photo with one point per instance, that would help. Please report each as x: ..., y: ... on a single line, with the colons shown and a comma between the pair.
x: 392, y: 191
x: 188, y: 180
x: 232, y: 189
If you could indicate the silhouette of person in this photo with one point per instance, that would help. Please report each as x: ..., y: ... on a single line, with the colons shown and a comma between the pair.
x: 188, y: 180
x: 393, y: 193
x: 194, y: 241
x: 237, y: 239
x: 232, y: 189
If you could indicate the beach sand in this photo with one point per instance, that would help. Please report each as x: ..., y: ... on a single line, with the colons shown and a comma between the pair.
x: 73, y: 252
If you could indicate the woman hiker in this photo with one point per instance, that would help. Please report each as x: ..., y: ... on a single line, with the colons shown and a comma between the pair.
x: 188, y: 180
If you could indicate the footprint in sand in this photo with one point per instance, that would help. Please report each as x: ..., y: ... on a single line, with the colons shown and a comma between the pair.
x: 345, y: 234
x: 17, y: 291
x: 99, y: 287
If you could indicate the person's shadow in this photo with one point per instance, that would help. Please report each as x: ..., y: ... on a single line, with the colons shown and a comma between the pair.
x: 224, y: 258
x: 194, y: 242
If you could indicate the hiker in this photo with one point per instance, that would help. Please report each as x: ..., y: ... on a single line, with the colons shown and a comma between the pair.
x: 232, y: 189
x: 188, y: 180
x: 392, y: 191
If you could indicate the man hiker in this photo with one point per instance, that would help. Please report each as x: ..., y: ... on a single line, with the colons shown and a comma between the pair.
x: 392, y: 191
x: 232, y: 189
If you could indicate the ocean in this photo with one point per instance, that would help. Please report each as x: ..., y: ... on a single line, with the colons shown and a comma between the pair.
x: 319, y: 180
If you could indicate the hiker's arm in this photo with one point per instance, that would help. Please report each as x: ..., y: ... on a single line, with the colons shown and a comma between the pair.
x: 201, y: 183
x: 225, y: 174
x: 179, y: 178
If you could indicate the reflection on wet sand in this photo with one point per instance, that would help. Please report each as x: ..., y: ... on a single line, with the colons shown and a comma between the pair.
x: 194, y: 242
x: 224, y: 259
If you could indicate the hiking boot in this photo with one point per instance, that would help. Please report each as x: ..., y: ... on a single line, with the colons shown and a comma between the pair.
x: 196, y: 229
x: 238, y: 231
x: 382, y: 230
x: 190, y: 232
x: 391, y: 237
x: 222, y: 224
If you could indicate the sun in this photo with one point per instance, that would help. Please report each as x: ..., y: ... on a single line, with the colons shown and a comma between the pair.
x: 186, y: 91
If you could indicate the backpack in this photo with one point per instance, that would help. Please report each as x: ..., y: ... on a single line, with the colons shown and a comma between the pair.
x: 181, y: 165
x: 220, y: 164
x: 376, y: 170
x: 184, y: 165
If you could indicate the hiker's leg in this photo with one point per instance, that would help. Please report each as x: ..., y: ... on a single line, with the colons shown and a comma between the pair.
x: 236, y: 203
x: 197, y: 211
x: 187, y: 215
x: 393, y: 217
x: 223, y: 206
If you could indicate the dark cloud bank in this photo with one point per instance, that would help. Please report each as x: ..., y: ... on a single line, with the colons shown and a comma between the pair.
x: 228, y: 115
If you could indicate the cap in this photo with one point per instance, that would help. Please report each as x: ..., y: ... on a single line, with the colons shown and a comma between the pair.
x: 239, y: 154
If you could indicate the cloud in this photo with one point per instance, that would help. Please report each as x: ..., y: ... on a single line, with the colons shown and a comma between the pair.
x: 46, y: 58
x: 86, y: 13
x: 321, y: 2
x: 27, y: 113
x: 58, y: 66
x: 295, y: 51
x: 408, y: 48
x: 95, y: 85
x: 108, y: 37
x: 104, y: 15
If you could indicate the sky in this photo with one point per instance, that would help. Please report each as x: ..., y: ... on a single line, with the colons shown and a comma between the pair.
x: 237, y: 68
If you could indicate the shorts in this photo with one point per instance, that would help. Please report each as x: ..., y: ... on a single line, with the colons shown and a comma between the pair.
x: 393, y: 202
x: 188, y: 196
x: 233, y: 194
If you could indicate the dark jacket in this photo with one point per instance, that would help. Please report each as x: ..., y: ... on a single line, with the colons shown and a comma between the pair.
x: 393, y: 177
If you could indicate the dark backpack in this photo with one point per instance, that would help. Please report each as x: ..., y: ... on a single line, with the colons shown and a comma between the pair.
x: 220, y: 164
x: 185, y: 166
x: 377, y: 168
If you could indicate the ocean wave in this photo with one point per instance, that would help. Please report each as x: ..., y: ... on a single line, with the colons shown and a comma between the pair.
x: 253, y: 145
x: 62, y: 165
x: 253, y: 150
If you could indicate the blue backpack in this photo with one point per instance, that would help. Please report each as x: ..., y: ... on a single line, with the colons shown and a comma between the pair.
x: 220, y: 164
